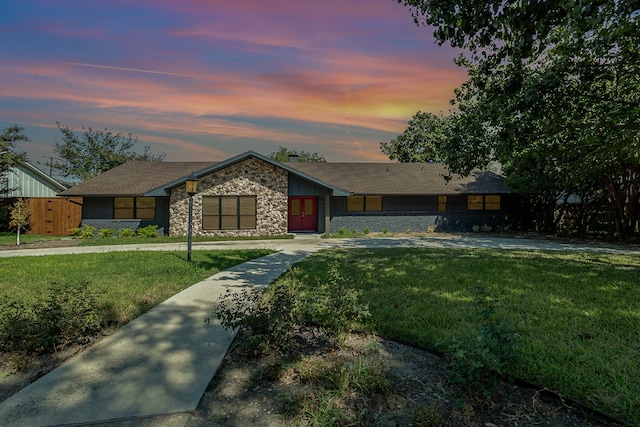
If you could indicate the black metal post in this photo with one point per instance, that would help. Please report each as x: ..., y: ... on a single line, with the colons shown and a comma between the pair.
x: 190, y: 226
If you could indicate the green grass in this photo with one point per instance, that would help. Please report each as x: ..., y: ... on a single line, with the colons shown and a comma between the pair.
x: 167, y: 239
x: 578, y: 314
x: 10, y: 238
x: 130, y: 283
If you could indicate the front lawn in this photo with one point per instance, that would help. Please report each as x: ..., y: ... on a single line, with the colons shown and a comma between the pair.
x: 578, y: 314
x: 127, y: 283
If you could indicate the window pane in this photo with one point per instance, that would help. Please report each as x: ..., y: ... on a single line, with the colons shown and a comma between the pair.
x: 374, y: 203
x: 308, y: 206
x: 295, y: 207
x: 229, y: 206
x: 230, y: 222
x: 146, y: 213
x: 492, y: 203
x: 210, y: 206
x: 211, y: 222
x: 355, y: 203
x: 146, y: 202
x: 247, y: 205
x: 442, y: 203
x: 474, y: 203
x: 145, y: 207
x: 248, y: 221
x: 120, y: 213
x: 123, y: 202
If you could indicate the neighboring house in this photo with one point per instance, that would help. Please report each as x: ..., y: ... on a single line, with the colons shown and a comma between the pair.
x: 251, y: 194
x: 26, y: 180
x: 49, y: 214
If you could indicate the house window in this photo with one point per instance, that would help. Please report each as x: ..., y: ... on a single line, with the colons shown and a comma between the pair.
x: 475, y: 203
x: 364, y: 203
x: 229, y: 212
x: 479, y: 203
x: 442, y: 203
x: 492, y: 203
x: 134, y: 207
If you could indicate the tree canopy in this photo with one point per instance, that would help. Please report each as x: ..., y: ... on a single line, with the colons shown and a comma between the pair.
x: 9, y: 156
x: 553, y: 94
x: 421, y: 141
x: 283, y: 154
x: 92, y: 152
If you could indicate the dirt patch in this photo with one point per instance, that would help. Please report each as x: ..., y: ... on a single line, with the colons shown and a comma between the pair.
x: 259, y: 391
x: 420, y: 391
x: 41, y: 244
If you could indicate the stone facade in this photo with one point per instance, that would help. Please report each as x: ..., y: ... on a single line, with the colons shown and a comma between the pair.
x: 251, y: 177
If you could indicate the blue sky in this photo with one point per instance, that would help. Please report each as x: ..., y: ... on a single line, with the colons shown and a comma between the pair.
x: 208, y: 79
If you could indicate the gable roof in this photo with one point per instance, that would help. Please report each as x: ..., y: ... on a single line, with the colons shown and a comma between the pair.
x: 134, y: 178
x: 26, y: 180
x: 164, y: 189
x: 403, y: 178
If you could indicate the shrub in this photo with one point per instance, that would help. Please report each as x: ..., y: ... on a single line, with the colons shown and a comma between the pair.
x: 366, y: 230
x: 268, y: 317
x: 150, y: 231
x: 86, y: 232
x: 483, y: 358
x: 342, y: 231
x: 105, y: 233
x: 333, y: 304
x: 126, y: 233
x: 68, y: 313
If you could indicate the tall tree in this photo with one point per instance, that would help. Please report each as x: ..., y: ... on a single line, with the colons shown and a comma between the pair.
x: 422, y: 141
x: 92, y: 152
x: 550, y: 83
x: 283, y: 155
x: 9, y: 156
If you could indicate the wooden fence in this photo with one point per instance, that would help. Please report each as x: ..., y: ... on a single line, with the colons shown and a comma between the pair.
x: 54, y: 216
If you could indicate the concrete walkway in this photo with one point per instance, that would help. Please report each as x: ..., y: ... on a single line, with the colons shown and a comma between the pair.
x: 162, y: 362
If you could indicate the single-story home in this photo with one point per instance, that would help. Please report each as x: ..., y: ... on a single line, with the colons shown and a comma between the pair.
x: 251, y: 194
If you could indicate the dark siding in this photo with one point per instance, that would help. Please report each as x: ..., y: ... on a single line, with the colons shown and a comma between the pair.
x: 98, y: 212
x: 299, y: 186
x: 420, y: 214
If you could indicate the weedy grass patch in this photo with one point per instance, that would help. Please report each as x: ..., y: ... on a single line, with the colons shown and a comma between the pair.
x: 577, y: 315
x: 131, y: 282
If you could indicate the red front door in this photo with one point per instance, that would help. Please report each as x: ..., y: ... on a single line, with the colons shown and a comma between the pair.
x: 302, y: 214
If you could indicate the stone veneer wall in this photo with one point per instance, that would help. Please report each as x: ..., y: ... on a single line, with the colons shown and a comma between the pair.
x: 251, y: 177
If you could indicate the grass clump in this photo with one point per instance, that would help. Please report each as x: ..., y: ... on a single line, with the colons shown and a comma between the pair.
x: 334, y: 391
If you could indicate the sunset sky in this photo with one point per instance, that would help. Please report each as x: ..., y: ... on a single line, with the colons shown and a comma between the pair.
x: 209, y: 79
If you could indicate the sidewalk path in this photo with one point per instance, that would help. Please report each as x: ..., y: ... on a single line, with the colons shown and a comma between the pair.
x: 162, y: 362
x: 159, y: 363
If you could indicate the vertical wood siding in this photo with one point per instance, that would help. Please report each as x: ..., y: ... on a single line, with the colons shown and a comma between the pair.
x: 54, y: 215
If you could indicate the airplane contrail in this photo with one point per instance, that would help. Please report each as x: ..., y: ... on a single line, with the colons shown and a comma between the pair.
x: 138, y: 70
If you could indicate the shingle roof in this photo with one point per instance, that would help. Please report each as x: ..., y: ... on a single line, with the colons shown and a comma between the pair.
x: 134, y: 178
x: 402, y: 178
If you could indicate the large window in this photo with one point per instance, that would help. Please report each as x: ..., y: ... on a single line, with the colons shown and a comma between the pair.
x: 364, y: 203
x: 479, y: 203
x: 228, y: 212
x: 134, y: 208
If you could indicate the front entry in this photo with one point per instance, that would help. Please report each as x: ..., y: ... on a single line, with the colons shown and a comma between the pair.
x: 302, y: 213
